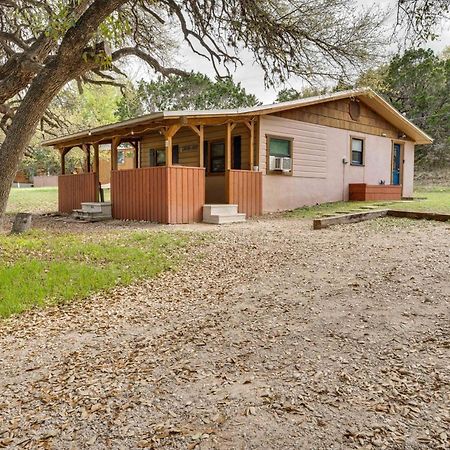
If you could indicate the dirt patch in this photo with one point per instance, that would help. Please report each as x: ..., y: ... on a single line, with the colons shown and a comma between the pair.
x: 271, y: 336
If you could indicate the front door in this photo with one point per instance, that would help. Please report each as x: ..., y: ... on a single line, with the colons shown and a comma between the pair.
x: 396, y: 163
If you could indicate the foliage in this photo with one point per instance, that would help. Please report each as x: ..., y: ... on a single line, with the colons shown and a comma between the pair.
x: 40, y: 268
x: 289, y: 94
x: 417, y: 83
x: 193, y: 92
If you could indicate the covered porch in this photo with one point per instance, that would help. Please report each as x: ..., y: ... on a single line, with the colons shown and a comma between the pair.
x: 180, y: 164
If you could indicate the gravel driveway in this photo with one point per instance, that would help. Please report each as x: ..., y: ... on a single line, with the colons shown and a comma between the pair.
x: 271, y: 336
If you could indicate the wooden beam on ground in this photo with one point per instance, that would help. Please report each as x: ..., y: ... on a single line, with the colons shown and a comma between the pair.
x: 319, y: 224
x: 418, y: 215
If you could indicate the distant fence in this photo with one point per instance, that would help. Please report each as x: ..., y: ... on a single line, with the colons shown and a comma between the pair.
x: 45, y: 181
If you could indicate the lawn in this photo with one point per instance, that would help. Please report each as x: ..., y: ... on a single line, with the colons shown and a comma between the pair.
x: 34, y: 200
x: 41, y: 268
x: 429, y: 200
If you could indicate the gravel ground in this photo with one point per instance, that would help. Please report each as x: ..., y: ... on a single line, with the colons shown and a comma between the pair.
x: 271, y: 336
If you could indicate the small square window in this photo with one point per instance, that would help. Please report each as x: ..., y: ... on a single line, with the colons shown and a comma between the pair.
x: 357, y: 152
x: 280, y: 147
x: 217, y: 157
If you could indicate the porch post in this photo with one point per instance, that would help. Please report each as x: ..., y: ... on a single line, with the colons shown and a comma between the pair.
x: 136, y: 154
x: 170, y: 133
x: 202, y: 144
x: 63, y: 152
x: 87, y: 151
x: 228, y: 148
x: 252, y: 145
x: 114, y: 144
x: 96, y: 169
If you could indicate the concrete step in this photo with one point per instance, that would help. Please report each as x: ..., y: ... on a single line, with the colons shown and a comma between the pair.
x: 220, y: 219
x: 87, y: 216
x: 217, y: 210
x: 97, y: 207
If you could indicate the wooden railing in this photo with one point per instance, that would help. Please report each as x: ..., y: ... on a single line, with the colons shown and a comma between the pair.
x: 244, y: 189
x: 158, y: 194
x: 76, y: 189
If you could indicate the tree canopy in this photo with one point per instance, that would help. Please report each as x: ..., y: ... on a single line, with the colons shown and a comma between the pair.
x: 193, y: 92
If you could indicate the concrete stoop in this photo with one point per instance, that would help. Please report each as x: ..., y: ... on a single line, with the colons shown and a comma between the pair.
x: 93, y: 212
x: 221, y: 214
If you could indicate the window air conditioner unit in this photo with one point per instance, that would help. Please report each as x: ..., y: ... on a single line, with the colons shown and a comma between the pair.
x: 279, y: 163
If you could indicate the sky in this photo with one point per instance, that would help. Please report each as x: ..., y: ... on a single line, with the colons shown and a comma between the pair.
x: 251, y: 76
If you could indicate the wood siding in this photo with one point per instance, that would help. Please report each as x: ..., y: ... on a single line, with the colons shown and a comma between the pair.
x: 158, y: 194
x: 336, y: 114
x: 76, y: 189
x: 245, y: 190
x: 309, y: 146
x: 188, y: 144
x: 367, y: 192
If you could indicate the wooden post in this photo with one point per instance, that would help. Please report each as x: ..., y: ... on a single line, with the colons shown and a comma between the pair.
x: 87, y: 151
x: 170, y: 133
x: 96, y: 159
x: 114, y: 144
x: 228, y: 148
x: 202, y: 144
x: 136, y: 154
x: 63, y: 160
x: 97, y: 170
x: 252, y: 145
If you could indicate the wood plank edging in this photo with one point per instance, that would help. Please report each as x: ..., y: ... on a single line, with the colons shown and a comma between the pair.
x: 319, y: 224
x: 326, y: 222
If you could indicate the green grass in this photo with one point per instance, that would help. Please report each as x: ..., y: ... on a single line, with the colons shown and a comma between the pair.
x: 429, y: 200
x: 41, y: 268
x: 34, y: 200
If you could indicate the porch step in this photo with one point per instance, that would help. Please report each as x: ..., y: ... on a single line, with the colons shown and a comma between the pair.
x: 93, y: 212
x: 221, y: 214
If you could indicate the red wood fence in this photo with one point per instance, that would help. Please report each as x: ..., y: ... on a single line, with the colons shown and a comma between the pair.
x: 375, y: 192
x: 76, y: 189
x: 245, y: 190
x: 159, y: 194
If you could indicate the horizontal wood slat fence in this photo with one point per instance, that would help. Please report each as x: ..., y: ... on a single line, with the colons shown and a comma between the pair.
x: 76, y: 189
x: 158, y: 194
x: 369, y: 192
x: 245, y: 190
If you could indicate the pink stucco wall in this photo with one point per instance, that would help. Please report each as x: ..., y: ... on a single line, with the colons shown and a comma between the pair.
x: 318, y: 172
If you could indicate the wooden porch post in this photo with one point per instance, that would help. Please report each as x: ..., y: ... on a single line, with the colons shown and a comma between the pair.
x: 87, y: 151
x: 202, y: 144
x: 251, y: 126
x: 63, y: 152
x: 228, y: 148
x: 136, y: 154
x: 114, y: 144
x: 96, y: 170
x: 170, y: 133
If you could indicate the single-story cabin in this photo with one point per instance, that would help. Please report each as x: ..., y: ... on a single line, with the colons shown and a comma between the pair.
x: 345, y: 145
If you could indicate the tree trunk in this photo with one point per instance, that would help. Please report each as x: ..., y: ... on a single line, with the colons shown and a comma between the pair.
x: 67, y: 65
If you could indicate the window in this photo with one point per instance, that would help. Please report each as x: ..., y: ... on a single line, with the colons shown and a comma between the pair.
x: 157, y: 158
x: 357, y: 152
x: 280, y: 147
x: 175, y: 154
x: 217, y: 157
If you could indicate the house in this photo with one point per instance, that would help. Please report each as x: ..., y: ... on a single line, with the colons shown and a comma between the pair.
x: 350, y: 144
